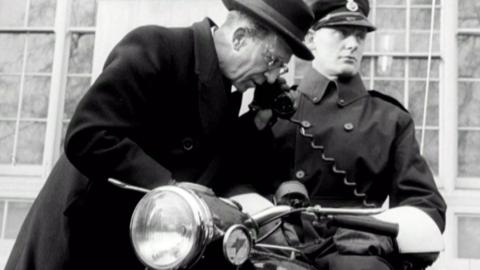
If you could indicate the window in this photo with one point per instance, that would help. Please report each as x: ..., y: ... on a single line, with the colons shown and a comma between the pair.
x: 25, y: 79
x: 469, y: 92
x: 46, y: 54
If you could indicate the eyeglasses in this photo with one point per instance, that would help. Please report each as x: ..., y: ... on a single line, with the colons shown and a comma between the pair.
x: 274, y: 62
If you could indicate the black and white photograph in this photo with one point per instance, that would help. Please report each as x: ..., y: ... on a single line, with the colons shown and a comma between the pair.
x: 240, y: 134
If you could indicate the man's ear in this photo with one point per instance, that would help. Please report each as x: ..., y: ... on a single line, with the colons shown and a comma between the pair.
x: 239, y: 38
x: 310, y: 39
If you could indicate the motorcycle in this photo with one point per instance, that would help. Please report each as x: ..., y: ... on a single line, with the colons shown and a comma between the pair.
x: 186, y: 226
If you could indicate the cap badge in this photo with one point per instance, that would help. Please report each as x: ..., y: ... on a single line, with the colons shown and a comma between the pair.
x: 352, y: 5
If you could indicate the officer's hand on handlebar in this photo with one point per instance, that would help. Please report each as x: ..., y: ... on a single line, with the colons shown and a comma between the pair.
x: 355, y: 242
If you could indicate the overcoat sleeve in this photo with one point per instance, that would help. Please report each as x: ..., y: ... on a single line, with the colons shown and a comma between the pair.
x: 114, y: 110
x: 413, y: 182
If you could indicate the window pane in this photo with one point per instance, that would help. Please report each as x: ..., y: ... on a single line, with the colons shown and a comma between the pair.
x: 418, y: 68
x: 13, y: 44
x: 469, y: 56
x: 390, y: 87
x: 9, y: 90
x: 390, y: 18
x: 366, y: 66
x: 469, y: 237
x: 424, y: 2
x: 81, y: 53
x: 388, y: 66
x: 417, y: 99
x: 7, y: 131
x: 390, y: 42
x: 469, y: 153
x: 35, y: 97
x: 30, y: 143
x: 2, y: 210
x: 420, y: 42
x: 42, y: 13
x: 17, y: 211
x: 420, y: 18
x: 430, y: 148
x: 76, y: 88
x: 468, y: 11
x: 40, y: 52
x: 469, y: 104
x: 390, y: 2
x: 64, y: 132
x: 83, y: 13
x: 12, y: 13
x: 369, y: 43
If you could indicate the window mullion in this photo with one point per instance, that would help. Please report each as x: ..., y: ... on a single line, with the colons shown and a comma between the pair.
x: 20, y: 101
x: 449, y: 97
x: 56, y: 97
x: 448, y: 152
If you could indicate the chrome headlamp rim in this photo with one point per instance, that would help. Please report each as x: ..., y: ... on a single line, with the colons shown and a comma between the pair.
x: 202, y: 217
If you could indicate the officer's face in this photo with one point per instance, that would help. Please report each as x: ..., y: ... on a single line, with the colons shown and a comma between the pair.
x: 259, y: 60
x: 339, y: 50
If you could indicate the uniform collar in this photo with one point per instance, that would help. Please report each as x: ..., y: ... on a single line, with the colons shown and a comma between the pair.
x: 314, y: 86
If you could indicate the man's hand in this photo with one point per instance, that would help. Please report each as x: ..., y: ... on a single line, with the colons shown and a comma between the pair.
x: 264, y: 118
x: 273, y: 100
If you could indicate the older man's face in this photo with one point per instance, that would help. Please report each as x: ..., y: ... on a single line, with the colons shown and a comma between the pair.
x: 339, y: 50
x: 260, y: 60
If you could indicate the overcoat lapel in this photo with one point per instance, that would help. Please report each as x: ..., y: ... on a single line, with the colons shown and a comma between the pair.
x: 213, y: 100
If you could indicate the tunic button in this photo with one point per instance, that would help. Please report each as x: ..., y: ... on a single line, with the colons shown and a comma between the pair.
x: 348, y: 126
x: 306, y: 124
x: 315, y: 99
x: 187, y: 144
x: 300, y: 174
x: 341, y: 102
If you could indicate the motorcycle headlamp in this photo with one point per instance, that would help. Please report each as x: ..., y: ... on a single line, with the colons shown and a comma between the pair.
x: 170, y: 228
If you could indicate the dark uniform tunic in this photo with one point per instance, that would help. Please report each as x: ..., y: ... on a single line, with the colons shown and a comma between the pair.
x: 349, y: 146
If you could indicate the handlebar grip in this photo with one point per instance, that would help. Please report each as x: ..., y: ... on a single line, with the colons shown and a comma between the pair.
x: 365, y: 223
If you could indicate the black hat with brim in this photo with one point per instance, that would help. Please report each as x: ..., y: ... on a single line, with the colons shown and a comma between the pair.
x: 291, y: 19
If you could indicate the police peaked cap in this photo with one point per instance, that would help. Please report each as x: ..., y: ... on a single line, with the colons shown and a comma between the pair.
x: 340, y: 12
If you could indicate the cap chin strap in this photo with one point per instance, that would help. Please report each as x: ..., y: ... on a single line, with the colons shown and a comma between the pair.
x: 418, y: 233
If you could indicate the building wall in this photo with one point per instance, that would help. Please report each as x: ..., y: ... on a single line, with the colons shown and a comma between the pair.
x: 51, y: 50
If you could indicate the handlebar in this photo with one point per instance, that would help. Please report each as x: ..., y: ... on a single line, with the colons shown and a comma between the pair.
x: 365, y: 223
x: 350, y: 218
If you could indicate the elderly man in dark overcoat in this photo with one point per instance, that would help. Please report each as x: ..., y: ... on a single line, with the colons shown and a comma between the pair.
x: 161, y: 111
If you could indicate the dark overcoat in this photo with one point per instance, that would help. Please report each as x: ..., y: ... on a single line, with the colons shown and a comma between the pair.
x: 160, y: 110
x: 349, y: 146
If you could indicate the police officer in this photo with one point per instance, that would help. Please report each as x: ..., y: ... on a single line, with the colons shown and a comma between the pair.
x: 348, y: 146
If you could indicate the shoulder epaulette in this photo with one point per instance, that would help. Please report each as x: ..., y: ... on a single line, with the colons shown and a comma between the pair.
x: 387, y: 98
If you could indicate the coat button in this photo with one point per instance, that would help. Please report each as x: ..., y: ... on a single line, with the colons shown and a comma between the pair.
x: 187, y: 143
x: 341, y: 102
x: 315, y: 99
x: 348, y: 126
x: 300, y: 174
